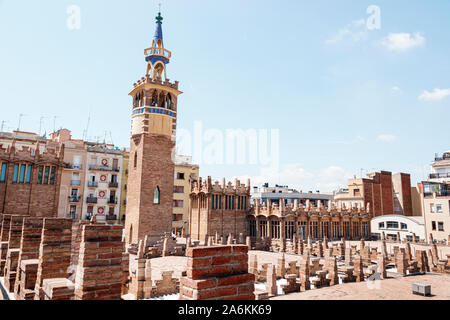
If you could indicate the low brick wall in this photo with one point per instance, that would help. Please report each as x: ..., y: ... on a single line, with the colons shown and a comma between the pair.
x: 217, y: 273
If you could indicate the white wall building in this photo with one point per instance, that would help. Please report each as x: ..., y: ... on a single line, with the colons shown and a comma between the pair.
x: 392, y: 224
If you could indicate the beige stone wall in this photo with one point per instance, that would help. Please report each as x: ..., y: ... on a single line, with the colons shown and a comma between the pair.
x: 437, y: 217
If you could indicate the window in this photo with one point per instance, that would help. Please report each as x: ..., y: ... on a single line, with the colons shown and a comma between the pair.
x: 177, y: 217
x: 15, y: 173
x: 180, y: 175
x: 40, y: 173
x: 29, y: 172
x: 392, y: 225
x: 439, y: 208
x: 156, y: 194
x: 23, y: 169
x: 356, y: 193
x: 381, y: 225
x: 440, y: 226
x: 52, y: 175
x: 432, y: 210
x: 3, y: 172
x: 90, y: 209
x: 404, y: 226
x: 178, y: 203
x: 433, y: 225
x: 178, y: 189
x: 46, y: 174
x: 135, y: 159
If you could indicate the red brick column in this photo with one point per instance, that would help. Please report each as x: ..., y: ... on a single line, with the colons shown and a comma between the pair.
x: 15, y: 235
x: 4, y: 237
x: 28, y: 258
x: 99, y: 273
x: 54, y: 252
x: 217, y: 273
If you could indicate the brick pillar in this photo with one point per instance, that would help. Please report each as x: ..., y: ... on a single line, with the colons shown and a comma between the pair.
x: 248, y: 242
x: 281, y: 266
x: 4, y: 237
x: 12, y: 256
x: 54, y: 252
x: 301, y: 246
x: 320, y: 249
x: 331, y: 266
x: 99, y: 272
x: 271, y: 285
x: 125, y: 272
x: 27, y: 264
x: 401, y: 262
x: 305, y: 284
x: 358, y: 269
x: 218, y: 273
x: 381, y: 262
x: 422, y: 263
x: 408, y: 252
x: 348, y: 256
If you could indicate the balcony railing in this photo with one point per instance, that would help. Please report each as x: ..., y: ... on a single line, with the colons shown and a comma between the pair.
x: 74, y: 199
x: 440, y: 175
x: 92, y: 184
x: 445, y: 156
x: 111, y: 217
x: 113, y: 184
x: 112, y: 200
x: 75, y: 183
x: 91, y: 200
x: 73, y: 166
x: 155, y: 51
x: 94, y: 167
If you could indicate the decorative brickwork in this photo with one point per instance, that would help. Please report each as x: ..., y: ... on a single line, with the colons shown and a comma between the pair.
x: 218, y: 273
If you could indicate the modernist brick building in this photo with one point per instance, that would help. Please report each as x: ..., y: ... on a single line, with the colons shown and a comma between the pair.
x: 30, y: 174
x: 151, y: 166
x: 385, y: 193
x: 220, y: 209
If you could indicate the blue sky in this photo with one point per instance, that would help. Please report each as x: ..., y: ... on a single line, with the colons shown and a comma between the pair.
x: 345, y: 99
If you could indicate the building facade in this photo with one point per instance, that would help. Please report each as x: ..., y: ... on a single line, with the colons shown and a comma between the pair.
x: 30, y: 174
x: 220, y: 209
x: 385, y: 193
x: 149, y: 209
x: 185, y: 174
x: 392, y: 226
x: 435, y: 194
x: 123, y: 193
x: 278, y: 193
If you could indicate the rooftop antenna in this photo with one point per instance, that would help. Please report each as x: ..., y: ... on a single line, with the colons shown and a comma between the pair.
x: 3, y: 125
x: 40, y: 124
x: 54, y: 123
x: 110, y: 137
x: 85, y: 137
x: 20, y: 120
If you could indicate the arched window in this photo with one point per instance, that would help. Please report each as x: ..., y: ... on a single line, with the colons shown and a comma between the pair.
x: 156, y: 195
x: 154, y: 99
x: 169, y: 101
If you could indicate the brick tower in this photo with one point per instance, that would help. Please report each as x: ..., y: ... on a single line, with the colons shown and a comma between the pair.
x: 152, y: 148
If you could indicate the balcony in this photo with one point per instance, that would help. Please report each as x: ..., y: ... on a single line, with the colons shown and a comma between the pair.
x: 111, y: 217
x: 439, y: 175
x: 112, y: 200
x: 74, y: 199
x: 92, y: 184
x: 155, y: 51
x: 113, y: 184
x: 75, y: 183
x: 73, y: 166
x: 94, y: 167
x: 91, y: 199
x: 445, y: 156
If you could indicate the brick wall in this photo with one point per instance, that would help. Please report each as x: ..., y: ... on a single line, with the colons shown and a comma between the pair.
x: 155, y: 168
x: 217, y: 273
x: 99, y: 273
x: 54, y: 252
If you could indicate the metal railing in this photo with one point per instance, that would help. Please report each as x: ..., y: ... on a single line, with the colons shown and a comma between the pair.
x: 92, y: 184
x: 94, y: 167
x: 91, y: 199
x: 440, y: 175
x: 111, y: 217
x: 113, y: 184
x: 155, y: 51
x: 112, y: 200
x: 74, y: 199
x: 75, y: 183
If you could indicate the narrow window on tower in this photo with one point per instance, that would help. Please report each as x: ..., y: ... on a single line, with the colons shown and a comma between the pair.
x: 3, y: 172
x: 156, y: 195
x: 46, y: 174
x: 135, y: 159
x: 52, y: 175
x: 22, y: 173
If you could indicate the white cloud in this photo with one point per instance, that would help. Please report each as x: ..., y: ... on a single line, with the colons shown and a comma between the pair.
x: 396, y: 89
x: 436, y: 95
x: 294, y: 176
x: 386, y: 138
x: 403, y: 41
x: 357, y: 139
x: 355, y: 31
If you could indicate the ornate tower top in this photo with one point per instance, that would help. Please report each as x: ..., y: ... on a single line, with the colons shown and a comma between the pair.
x: 157, y: 56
